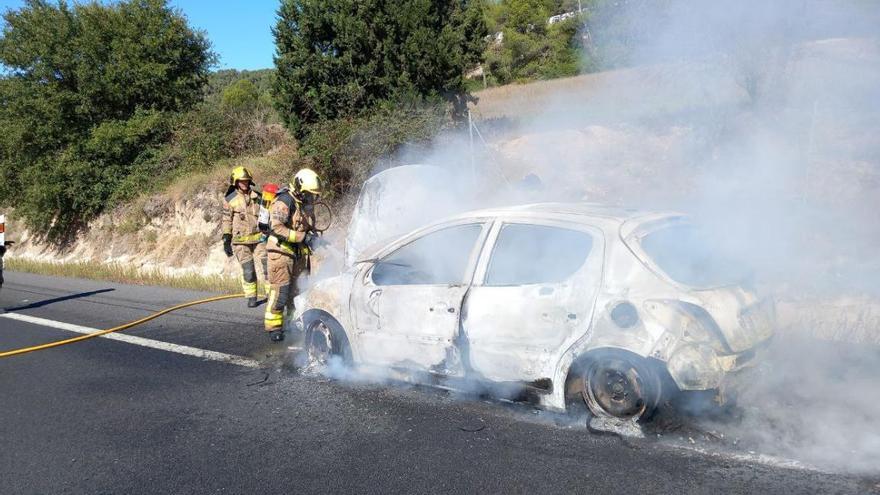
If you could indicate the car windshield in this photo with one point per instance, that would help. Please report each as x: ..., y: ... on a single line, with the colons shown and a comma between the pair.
x: 690, y: 256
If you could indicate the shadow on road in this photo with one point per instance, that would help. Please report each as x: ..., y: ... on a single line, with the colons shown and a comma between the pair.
x: 46, y: 302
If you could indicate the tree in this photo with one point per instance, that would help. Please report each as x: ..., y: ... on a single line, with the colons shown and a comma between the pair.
x: 527, y: 16
x: 544, y: 52
x: 240, y: 95
x: 86, y: 92
x: 533, y: 48
x: 340, y: 58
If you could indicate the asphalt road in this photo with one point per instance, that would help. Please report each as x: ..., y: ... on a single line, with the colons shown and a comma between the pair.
x: 104, y: 416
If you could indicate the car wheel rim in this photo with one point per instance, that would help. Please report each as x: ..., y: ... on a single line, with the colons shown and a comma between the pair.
x: 615, y: 388
x: 320, y: 343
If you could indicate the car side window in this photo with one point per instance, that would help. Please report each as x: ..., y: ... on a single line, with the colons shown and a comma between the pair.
x: 536, y: 254
x: 438, y: 258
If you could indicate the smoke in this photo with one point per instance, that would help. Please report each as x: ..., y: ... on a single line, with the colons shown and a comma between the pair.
x: 809, y: 400
x: 760, y: 119
x: 780, y: 162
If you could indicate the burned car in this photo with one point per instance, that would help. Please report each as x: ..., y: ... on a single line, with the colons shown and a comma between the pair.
x: 574, y: 303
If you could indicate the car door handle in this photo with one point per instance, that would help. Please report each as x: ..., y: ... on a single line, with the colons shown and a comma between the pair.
x: 441, y: 306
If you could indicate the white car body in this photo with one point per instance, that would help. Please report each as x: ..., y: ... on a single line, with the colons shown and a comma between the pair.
x: 531, y: 333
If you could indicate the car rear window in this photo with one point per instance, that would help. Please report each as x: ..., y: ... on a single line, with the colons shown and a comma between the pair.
x: 690, y: 256
x: 537, y: 254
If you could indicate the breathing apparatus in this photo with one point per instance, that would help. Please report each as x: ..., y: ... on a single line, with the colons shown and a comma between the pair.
x: 269, y: 192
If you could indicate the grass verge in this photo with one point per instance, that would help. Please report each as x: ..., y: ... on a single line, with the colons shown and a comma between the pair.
x: 125, y: 274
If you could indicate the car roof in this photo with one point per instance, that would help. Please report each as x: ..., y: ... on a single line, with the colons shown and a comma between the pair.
x: 610, y: 218
x: 586, y: 212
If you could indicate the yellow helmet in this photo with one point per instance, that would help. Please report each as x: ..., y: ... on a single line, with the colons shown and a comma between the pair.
x: 240, y: 173
x: 306, y: 180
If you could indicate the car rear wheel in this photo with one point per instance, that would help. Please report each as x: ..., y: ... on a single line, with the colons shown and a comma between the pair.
x: 618, y: 385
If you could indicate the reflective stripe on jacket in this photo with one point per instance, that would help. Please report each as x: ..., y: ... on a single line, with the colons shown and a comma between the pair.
x: 241, y: 216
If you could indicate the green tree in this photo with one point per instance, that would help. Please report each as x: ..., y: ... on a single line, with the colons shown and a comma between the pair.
x: 340, y: 58
x: 527, y: 16
x: 220, y: 80
x: 86, y: 96
x: 240, y: 95
x: 532, y: 48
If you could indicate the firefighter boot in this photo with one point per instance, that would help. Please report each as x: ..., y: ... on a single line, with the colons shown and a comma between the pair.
x: 276, y: 335
x: 252, y: 302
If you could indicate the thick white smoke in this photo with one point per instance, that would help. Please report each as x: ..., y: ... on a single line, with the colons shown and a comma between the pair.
x: 762, y: 119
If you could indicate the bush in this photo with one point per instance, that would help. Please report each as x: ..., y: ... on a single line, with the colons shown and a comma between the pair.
x: 220, y: 80
x: 346, y: 151
x: 210, y: 133
x: 241, y: 95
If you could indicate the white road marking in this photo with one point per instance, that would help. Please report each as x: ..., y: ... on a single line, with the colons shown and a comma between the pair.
x: 131, y: 339
x: 754, y: 458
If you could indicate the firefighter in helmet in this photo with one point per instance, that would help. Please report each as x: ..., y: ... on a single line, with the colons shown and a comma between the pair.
x: 241, y: 233
x: 2, y: 253
x: 291, y: 233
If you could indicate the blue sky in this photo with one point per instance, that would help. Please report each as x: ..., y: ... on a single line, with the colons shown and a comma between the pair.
x: 239, y: 30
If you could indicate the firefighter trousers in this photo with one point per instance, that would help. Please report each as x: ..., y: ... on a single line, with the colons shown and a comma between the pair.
x: 248, y: 255
x: 284, y: 270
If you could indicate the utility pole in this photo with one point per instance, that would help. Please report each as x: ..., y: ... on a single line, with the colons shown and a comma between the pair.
x: 471, y: 132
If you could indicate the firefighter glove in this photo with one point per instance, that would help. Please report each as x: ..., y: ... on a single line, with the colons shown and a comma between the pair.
x: 313, y: 240
x: 227, y: 244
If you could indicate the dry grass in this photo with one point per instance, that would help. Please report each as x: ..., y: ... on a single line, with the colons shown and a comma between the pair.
x: 278, y: 166
x: 516, y: 100
x: 620, y: 94
x: 125, y: 274
x: 840, y: 319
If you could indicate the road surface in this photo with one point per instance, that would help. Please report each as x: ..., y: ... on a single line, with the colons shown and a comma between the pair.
x: 110, y: 416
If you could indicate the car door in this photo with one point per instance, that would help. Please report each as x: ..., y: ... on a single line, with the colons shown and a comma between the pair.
x: 407, y: 302
x: 533, y: 295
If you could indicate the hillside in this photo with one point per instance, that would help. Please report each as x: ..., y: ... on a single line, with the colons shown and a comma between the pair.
x: 636, y: 137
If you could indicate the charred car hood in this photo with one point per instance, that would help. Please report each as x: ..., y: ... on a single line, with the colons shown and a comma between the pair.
x: 394, y: 202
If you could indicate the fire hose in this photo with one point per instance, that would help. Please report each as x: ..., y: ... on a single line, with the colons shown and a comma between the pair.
x: 57, y: 343
x: 326, y: 218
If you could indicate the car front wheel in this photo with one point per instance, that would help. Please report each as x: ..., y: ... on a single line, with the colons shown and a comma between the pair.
x: 325, y: 340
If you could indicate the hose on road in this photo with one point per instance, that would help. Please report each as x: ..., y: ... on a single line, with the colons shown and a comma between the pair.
x: 57, y: 343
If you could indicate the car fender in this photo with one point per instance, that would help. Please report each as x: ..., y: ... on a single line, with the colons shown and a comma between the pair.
x: 330, y: 295
x: 646, y: 336
x: 638, y: 339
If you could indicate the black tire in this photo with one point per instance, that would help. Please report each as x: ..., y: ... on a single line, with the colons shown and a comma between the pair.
x: 324, y: 336
x: 615, y: 384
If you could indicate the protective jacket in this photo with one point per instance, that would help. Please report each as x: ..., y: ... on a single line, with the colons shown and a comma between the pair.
x: 288, y: 226
x: 241, y: 213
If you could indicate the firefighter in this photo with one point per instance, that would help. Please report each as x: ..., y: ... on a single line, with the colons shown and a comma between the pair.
x: 2, y: 253
x: 3, y: 244
x: 291, y: 233
x: 241, y: 234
